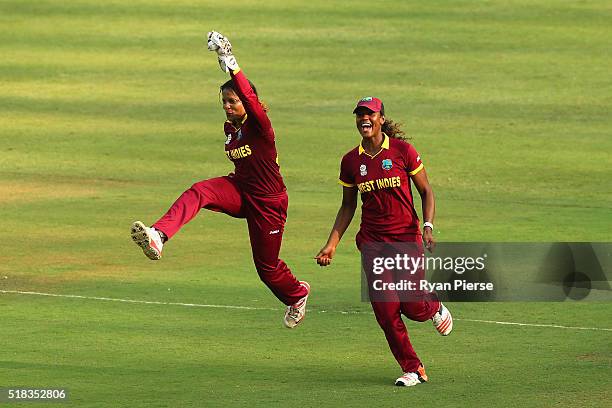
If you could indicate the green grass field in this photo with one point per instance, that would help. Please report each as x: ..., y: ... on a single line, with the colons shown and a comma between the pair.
x: 109, y: 110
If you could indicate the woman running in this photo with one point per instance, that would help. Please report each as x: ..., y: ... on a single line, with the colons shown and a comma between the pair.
x: 381, y: 169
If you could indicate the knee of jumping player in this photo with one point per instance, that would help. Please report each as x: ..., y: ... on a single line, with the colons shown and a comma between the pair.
x: 200, y: 191
x: 199, y: 187
x: 266, y: 271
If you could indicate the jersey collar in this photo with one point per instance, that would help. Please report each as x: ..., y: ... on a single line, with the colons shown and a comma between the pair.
x: 385, y: 145
x: 241, y: 123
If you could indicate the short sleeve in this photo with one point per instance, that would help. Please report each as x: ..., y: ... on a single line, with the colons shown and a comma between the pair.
x: 347, y: 178
x: 413, y: 161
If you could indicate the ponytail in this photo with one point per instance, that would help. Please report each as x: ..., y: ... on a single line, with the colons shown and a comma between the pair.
x: 393, y: 130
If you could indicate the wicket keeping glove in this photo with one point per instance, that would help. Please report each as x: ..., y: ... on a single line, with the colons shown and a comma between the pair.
x: 221, y: 45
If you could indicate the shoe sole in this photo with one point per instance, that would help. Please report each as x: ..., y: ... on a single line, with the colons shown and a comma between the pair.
x: 140, y: 238
x: 422, y: 379
x: 307, y: 286
x: 403, y: 384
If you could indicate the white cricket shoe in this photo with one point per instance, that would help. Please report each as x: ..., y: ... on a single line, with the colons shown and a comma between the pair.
x: 148, y: 239
x: 410, y: 379
x: 443, y: 321
x: 296, y: 312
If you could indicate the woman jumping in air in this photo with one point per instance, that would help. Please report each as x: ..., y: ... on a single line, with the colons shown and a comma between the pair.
x: 255, y: 191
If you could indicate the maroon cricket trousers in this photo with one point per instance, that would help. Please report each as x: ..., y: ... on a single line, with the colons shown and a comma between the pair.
x: 265, y: 215
x: 389, y: 311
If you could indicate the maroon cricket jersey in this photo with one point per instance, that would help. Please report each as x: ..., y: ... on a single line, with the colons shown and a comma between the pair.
x: 251, y: 147
x: 384, y: 183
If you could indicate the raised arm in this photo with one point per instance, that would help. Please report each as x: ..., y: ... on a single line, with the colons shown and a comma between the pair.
x: 251, y: 102
x: 221, y: 45
x: 343, y: 220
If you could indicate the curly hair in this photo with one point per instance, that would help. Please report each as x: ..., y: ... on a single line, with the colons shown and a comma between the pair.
x: 230, y: 85
x: 393, y: 130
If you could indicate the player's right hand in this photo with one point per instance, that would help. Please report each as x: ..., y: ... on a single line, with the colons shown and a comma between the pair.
x: 428, y: 239
x: 325, y: 255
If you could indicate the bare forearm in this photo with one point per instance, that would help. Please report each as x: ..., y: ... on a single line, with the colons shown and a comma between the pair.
x: 343, y: 220
x: 428, y: 203
x: 428, y: 206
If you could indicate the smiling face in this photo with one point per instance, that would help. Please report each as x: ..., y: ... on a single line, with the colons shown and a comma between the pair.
x: 369, y: 123
x: 232, y: 105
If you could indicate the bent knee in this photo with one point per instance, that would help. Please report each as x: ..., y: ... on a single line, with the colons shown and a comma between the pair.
x: 420, y: 314
x: 200, y: 186
x: 390, y: 323
x: 265, y: 271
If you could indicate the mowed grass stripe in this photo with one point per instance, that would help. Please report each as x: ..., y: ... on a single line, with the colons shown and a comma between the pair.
x: 149, y: 112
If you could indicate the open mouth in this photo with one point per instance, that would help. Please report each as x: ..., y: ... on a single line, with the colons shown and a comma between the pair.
x: 366, y: 126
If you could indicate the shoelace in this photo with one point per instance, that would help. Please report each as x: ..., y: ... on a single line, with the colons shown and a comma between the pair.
x: 411, y: 376
x: 294, y: 312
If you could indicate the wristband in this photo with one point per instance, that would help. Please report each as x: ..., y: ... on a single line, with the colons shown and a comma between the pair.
x: 428, y: 224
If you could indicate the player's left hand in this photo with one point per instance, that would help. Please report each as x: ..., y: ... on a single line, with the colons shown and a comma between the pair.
x: 217, y: 42
x: 222, y: 46
x: 428, y: 239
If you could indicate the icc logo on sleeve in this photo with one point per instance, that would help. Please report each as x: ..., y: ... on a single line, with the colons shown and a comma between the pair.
x: 228, y: 138
x: 387, y: 164
x: 363, y: 170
